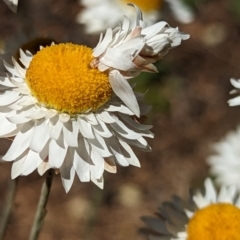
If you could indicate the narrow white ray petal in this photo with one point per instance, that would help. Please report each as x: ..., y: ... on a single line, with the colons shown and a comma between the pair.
x: 91, y: 118
x: 102, y: 46
x: 67, y: 183
x: 71, y: 136
x: 8, y: 97
x: 82, y: 168
x: 20, y: 143
x: 105, y: 117
x: 211, y: 194
x: 17, y: 167
x: 234, y: 101
x: 200, y: 201
x: 98, y: 168
x: 119, y: 127
x: 121, y: 109
x: 223, y: 195
x: 19, y: 69
x: 11, y: 69
x: 37, y: 113
x: 154, y: 29
x: 56, y: 154
x: 100, y: 145
x: 131, y: 158
x: 32, y: 161
x: 85, y: 128
x: 40, y: 136
x: 235, y: 82
x: 102, y: 129
x: 6, y: 82
x: 6, y: 127
x: 84, y: 149
x: 119, y: 157
x: 55, y: 130
x: 124, y: 91
x: 24, y: 58
x: 189, y: 213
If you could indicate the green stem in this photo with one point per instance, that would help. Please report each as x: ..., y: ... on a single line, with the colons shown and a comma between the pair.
x: 41, y: 209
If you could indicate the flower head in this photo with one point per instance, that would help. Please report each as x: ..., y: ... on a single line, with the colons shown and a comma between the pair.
x: 213, y: 215
x: 70, y: 107
x: 225, y: 161
x: 109, y: 12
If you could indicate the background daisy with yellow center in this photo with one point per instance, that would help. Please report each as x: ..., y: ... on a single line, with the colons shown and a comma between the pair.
x: 109, y: 12
x: 208, y: 216
x: 70, y: 107
x: 224, y: 162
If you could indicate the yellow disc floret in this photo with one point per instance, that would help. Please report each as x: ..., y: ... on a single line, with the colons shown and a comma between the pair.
x: 146, y: 5
x: 60, y: 77
x: 220, y: 221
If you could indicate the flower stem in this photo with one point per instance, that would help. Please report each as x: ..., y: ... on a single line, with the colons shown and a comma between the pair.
x: 7, y: 210
x: 41, y: 209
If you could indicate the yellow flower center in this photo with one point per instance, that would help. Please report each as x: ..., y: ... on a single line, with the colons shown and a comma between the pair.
x: 220, y: 221
x: 60, y: 77
x: 146, y: 5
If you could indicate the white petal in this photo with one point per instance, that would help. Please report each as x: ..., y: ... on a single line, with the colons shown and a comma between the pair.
x: 124, y: 91
x: 20, y: 143
x: 56, y: 154
x: 31, y: 162
x: 82, y: 168
x: 85, y: 128
x: 71, y: 135
x: 8, y: 98
x: 235, y: 82
x: 98, y: 168
x: 40, y: 136
x: 67, y: 183
x: 17, y: 166
x: 104, y: 44
x: 210, y: 191
x: 132, y: 159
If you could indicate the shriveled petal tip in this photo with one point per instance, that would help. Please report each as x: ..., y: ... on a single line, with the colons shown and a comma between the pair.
x: 124, y: 91
x: 139, y: 19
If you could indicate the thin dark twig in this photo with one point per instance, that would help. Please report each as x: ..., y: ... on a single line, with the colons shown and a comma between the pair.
x: 8, y: 206
x: 41, y: 209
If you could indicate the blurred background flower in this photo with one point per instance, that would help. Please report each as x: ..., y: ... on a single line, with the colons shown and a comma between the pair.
x: 96, y: 15
x: 209, y: 215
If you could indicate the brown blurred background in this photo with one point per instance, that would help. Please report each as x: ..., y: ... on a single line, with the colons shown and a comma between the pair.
x: 190, y: 111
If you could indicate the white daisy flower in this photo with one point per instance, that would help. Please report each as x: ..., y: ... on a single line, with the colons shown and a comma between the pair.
x: 225, y: 162
x: 12, y: 4
x: 70, y: 107
x: 213, y: 215
x: 109, y: 12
